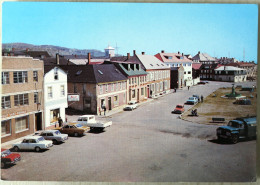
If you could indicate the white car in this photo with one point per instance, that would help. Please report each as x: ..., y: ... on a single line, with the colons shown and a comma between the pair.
x: 36, y: 143
x: 131, y: 105
x: 54, y: 135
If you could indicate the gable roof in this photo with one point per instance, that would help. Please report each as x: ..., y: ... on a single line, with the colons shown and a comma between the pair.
x: 172, y: 57
x: 196, y: 66
x: 49, y: 68
x: 204, y: 57
x: 93, y: 73
x: 151, y: 62
x: 228, y: 68
x: 52, y: 61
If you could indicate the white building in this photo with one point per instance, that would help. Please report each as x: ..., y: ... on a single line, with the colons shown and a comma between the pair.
x: 230, y: 74
x: 175, y: 60
x: 55, y: 95
x: 109, y: 51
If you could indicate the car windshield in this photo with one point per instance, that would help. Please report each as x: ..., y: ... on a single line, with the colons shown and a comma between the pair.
x: 57, y: 132
x: 79, y: 125
x: 233, y: 124
x: 6, y: 152
x: 178, y: 106
x: 191, y: 98
x: 41, y: 139
x: 131, y: 103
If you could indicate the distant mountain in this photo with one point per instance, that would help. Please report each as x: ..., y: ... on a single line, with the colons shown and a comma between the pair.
x: 52, y: 50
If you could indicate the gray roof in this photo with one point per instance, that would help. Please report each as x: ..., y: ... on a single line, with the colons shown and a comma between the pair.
x: 151, y: 62
x: 204, y: 57
x: 229, y: 68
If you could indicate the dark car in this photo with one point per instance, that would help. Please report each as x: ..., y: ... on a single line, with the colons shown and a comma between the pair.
x: 7, y: 157
x: 243, y: 102
x: 238, y: 128
x: 202, y: 82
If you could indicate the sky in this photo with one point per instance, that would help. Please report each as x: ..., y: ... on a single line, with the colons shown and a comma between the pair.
x: 221, y: 30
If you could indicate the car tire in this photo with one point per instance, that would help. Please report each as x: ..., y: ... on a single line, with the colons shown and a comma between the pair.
x: 2, y: 164
x: 234, y: 139
x: 54, y: 141
x: 16, y: 148
x: 37, y: 149
x: 76, y: 134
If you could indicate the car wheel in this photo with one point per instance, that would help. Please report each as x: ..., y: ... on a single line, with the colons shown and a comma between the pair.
x: 16, y: 148
x: 76, y: 134
x: 37, y: 149
x: 54, y: 141
x: 234, y: 139
x: 2, y: 164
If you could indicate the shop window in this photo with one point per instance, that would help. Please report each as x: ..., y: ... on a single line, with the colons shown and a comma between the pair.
x: 21, y: 123
x: 5, y: 78
x: 116, y: 100
x: 54, y: 115
x: 5, y: 127
x: 20, y: 77
x: 35, y: 76
x: 6, y: 102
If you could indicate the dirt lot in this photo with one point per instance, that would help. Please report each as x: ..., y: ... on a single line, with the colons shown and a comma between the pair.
x: 216, y: 106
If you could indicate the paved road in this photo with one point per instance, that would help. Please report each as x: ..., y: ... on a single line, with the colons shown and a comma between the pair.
x: 148, y: 144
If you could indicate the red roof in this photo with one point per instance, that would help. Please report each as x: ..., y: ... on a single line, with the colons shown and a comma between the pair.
x: 196, y: 66
x: 172, y: 57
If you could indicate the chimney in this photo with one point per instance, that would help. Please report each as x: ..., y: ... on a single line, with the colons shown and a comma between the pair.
x: 199, y: 52
x: 178, y: 52
x: 133, y: 52
x: 143, y: 53
x: 89, y: 58
x: 162, y: 51
x: 128, y: 56
x: 57, y: 59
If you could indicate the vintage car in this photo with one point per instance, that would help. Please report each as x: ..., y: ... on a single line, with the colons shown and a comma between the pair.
x: 74, y: 129
x: 201, y: 82
x: 131, y: 105
x: 179, y: 109
x: 54, y: 135
x: 192, y: 100
x: 238, y: 128
x: 89, y: 121
x: 7, y: 157
x: 196, y: 96
x: 36, y: 143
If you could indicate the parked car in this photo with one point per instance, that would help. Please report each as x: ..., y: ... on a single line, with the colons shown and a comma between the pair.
x: 178, y: 109
x: 238, y: 128
x: 243, y: 102
x: 89, y: 121
x: 36, y: 143
x: 201, y: 82
x: 196, y: 96
x: 54, y: 135
x: 192, y: 100
x: 7, y: 157
x: 74, y: 129
x: 131, y: 105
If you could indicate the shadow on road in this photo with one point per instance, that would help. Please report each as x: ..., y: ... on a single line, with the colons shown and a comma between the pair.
x: 227, y: 142
x: 41, y: 151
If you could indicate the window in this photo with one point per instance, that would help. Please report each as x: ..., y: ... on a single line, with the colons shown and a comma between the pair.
x: 100, y: 89
x: 20, y: 77
x: 5, y: 78
x: 6, y: 103
x: 189, y: 64
x: 184, y: 72
x: 62, y: 90
x: 112, y: 87
x: 133, y: 93
x: 142, y: 91
x: 21, y: 124
x: 21, y: 99
x: 84, y: 89
x: 130, y: 81
x: 120, y: 85
x: 189, y: 72
x: 56, y: 76
x: 35, y: 76
x: 36, y: 99
x: 54, y: 115
x: 115, y: 100
x: 49, y: 92
x: 106, y: 87
x: 6, y: 127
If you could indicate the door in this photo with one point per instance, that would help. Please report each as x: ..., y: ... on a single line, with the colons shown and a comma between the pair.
x: 109, y: 103
x: 38, y: 121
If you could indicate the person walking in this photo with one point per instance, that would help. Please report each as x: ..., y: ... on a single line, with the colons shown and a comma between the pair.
x: 105, y: 110
x: 60, y: 121
x: 201, y: 99
x: 188, y: 88
x: 99, y: 111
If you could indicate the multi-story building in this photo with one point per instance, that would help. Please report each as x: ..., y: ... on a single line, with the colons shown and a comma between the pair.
x: 136, y: 83
x: 22, y: 97
x: 55, y: 95
x: 230, y: 74
x: 97, y: 86
x: 175, y: 60
x: 250, y: 67
x: 158, y: 77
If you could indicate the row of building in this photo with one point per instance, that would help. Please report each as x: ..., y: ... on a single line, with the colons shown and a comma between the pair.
x: 37, y: 88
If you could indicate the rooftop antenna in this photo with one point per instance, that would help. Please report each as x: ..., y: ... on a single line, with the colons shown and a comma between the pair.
x: 116, y: 49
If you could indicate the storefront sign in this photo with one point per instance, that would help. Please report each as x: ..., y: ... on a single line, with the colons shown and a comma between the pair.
x: 73, y: 97
x: 13, y: 114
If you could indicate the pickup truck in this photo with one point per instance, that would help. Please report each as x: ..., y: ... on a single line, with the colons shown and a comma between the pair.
x: 90, y: 121
x: 238, y: 128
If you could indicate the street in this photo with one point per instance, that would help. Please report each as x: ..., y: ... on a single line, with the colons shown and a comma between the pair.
x: 148, y: 144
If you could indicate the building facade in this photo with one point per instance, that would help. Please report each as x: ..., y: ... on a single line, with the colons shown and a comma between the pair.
x: 230, y: 74
x: 55, y: 95
x: 22, y: 97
